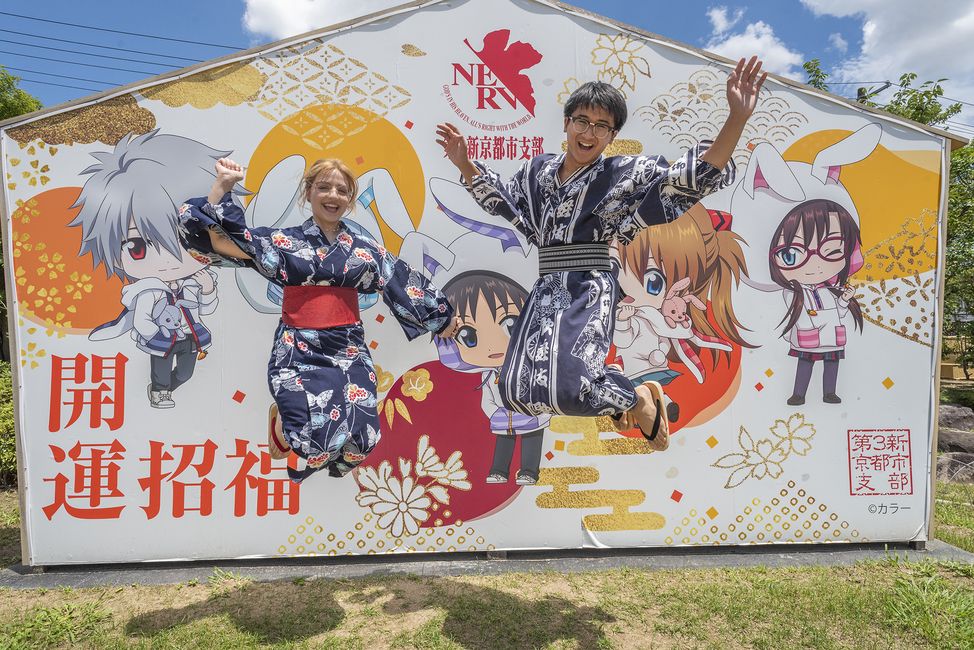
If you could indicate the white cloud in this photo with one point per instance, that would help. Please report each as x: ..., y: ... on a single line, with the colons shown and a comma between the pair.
x: 720, y: 21
x: 839, y: 43
x: 282, y: 18
x: 930, y: 37
x: 759, y: 38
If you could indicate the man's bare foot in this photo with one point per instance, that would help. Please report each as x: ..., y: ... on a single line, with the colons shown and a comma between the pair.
x: 649, y: 416
x: 623, y: 421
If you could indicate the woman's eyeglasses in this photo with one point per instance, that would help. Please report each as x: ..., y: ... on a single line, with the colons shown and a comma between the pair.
x: 792, y: 256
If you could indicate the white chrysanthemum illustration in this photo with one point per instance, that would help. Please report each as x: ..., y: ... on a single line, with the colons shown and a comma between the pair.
x: 401, y: 505
x: 450, y: 473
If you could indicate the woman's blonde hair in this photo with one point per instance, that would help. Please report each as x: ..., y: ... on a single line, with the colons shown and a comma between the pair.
x: 326, y: 165
x: 713, y: 260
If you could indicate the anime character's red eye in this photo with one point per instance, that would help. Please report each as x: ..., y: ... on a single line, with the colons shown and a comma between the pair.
x: 136, y: 247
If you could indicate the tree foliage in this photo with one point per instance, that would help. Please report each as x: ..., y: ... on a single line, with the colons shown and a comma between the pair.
x: 816, y: 76
x: 14, y: 101
x: 919, y: 103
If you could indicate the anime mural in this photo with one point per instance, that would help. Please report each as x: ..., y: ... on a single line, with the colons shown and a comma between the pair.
x: 791, y: 317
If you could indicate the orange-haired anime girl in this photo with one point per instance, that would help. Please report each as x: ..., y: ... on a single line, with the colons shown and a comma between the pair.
x: 672, y: 275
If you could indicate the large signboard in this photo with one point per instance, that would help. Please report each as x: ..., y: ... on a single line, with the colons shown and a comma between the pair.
x: 794, y: 420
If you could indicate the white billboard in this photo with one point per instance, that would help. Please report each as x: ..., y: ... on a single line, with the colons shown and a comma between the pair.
x: 805, y: 424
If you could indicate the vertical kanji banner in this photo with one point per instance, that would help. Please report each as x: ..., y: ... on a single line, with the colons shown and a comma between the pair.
x: 799, y: 377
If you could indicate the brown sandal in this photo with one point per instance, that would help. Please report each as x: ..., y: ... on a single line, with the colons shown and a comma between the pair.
x: 659, y: 433
x: 276, y: 443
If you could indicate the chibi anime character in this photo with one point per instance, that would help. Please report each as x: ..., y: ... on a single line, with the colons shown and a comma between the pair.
x: 812, y: 254
x: 129, y: 215
x: 488, y: 303
x: 475, y: 271
x: 669, y: 273
x: 802, y: 234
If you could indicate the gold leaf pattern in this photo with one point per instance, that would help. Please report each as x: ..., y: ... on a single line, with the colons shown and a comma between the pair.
x: 621, y: 517
x: 411, y: 50
x: 105, y: 122
x: 230, y: 85
x: 904, y: 304
x: 402, y: 410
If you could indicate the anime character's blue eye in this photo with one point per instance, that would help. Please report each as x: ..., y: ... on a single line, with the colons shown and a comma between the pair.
x: 508, y: 324
x: 655, y: 282
x: 136, y: 247
x: 789, y: 256
x: 467, y: 336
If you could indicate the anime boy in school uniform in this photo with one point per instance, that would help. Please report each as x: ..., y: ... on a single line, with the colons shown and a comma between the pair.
x: 129, y: 215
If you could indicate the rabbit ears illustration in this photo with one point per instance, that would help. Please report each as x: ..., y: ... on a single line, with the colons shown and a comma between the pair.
x: 767, y: 169
x: 771, y: 187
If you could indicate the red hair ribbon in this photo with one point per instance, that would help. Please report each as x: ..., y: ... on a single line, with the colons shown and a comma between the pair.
x: 720, y: 219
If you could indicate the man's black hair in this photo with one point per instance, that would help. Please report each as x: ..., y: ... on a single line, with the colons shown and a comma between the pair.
x: 598, y: 94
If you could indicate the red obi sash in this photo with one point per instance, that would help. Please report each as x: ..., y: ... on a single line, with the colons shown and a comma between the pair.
x: 319, y: 307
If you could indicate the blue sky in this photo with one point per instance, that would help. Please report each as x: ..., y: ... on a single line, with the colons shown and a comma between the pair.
x: 856, y: 40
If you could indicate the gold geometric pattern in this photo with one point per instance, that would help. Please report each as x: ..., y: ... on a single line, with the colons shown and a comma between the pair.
x: 315, y: 73
x: 692, y: 111
x: 621, y: 518
x: 106, y: 122
x: 905, y: 303
x: 791, y: 517
x: 311, y: 538
x: 230, y: 85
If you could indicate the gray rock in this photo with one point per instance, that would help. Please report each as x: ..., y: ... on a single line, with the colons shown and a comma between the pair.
x: 955, y: 440
x: 956, y: 467
x: 956, y: 417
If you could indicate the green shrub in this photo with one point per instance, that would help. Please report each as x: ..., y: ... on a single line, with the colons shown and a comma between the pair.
x: 959, y: 396
x: 8, y: 455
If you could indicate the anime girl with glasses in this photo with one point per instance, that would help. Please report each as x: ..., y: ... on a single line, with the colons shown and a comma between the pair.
x: 814, y: 250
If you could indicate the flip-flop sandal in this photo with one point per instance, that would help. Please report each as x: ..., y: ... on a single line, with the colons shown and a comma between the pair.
x: 659, y: 436
x: 276, y: 444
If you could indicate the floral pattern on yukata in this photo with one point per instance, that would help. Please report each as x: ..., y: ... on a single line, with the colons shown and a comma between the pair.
x: 323, y: 381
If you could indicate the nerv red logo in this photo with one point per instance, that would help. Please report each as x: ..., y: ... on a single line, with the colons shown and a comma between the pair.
x: 495, y: 82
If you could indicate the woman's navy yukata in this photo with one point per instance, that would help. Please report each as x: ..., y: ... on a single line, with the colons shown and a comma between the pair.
x: 555, y: 362
x: 323, y: 380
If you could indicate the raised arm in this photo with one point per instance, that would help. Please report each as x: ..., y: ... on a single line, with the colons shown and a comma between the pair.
x: 507, y: 200
x: 215, y: 226
x: 743, y: 87
x: 228, y: 174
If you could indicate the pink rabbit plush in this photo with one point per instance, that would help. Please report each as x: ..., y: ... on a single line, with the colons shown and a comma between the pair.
x: 675, y: 307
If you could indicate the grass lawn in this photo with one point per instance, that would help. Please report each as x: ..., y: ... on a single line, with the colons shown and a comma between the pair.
x: 889, y: 604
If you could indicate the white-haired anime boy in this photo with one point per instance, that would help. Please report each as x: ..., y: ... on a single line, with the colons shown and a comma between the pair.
x: 129, y: 218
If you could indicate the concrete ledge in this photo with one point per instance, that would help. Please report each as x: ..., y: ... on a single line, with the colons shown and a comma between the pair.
x: 455, y: 564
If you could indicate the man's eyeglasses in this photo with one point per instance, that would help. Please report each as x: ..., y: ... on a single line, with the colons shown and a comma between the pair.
x: 793, y: 256
x: 580, y: 125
